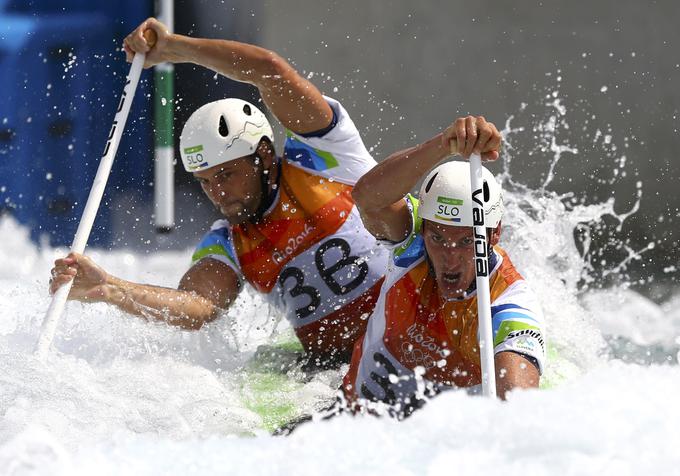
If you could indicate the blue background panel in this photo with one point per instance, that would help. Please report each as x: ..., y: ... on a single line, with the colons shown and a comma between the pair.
x: 62, y: 76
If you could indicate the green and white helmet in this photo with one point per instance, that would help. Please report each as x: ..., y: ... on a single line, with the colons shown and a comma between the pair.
x: 221, y: 131
x: 446, y: 198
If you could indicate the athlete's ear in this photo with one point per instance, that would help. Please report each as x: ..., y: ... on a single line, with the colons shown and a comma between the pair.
x: 265, y: 151
x: 495, y: 235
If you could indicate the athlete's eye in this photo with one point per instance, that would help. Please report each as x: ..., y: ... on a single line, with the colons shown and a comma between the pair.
x: 467, y: 241
x: 436, y: 238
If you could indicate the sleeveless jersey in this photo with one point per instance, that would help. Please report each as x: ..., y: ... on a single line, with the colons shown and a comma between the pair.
x: 411, y: 328
x: 310, y: 255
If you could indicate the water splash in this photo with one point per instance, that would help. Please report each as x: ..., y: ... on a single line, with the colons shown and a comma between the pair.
x: 115, y: 374
x: 579, y: 244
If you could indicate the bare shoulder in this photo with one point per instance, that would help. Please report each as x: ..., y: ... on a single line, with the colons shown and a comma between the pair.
x: 392, y: 223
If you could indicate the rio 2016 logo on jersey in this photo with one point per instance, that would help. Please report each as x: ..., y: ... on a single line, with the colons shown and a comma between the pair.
x: 293, y: 243
x: 447, y: 209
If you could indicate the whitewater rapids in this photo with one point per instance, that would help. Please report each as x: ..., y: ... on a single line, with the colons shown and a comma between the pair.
x: 119, y: 395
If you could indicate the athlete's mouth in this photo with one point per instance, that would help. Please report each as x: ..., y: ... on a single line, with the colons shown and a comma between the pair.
x: 451, y: 278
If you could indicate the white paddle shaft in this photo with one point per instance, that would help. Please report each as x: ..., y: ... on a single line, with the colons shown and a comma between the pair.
x: 482, y: 276
x: 54, y: 312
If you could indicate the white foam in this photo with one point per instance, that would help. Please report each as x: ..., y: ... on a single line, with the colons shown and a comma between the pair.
x: 119, y: 395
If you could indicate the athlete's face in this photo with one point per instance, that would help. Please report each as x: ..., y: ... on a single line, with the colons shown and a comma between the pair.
x: 235, y: 188
x: 451, y: 253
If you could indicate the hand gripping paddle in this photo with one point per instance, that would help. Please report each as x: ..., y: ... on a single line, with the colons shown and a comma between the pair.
x: 49, y: 325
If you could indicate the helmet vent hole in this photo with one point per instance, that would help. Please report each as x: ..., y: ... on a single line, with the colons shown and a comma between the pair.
x: 246, y: 110
x: 487, y: 192
x: 429, y: 184
x: 223, y: 129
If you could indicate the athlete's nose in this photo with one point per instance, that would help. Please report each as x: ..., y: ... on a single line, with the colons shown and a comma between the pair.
x: 453, y: 257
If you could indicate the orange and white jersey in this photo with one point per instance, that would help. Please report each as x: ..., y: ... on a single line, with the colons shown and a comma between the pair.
x: 412, y: 328
x: 310, y: 255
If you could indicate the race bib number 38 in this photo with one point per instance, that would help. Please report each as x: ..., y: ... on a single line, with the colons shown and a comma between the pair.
x: 322, y: 280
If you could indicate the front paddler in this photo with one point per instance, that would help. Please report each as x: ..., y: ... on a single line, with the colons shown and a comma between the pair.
x: 422, y: 336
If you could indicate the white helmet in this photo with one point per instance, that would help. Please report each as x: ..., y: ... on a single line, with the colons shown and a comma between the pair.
x: 221, y: 131
x: 445, y: 196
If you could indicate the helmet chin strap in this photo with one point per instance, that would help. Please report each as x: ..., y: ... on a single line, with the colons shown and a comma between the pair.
x: 268, y: 194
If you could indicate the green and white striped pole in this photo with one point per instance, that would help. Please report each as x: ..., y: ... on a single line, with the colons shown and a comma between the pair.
x: 164, y: 150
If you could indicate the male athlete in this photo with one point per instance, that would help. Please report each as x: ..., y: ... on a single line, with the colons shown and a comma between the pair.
x: 422, y: 336
x: 290, y: 227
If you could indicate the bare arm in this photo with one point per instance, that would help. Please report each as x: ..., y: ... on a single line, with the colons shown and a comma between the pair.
x: 514, y: 371
x: 379, y: 193
x: 295, y: 102
x: 204, y: 291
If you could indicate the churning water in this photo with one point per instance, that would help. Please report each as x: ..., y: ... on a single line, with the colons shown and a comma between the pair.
x: 120, y: 395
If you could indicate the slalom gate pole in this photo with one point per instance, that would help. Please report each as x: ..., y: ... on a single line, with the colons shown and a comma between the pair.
x: 482, y: 275
x: 164, y: 144
x: 54, y: 312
